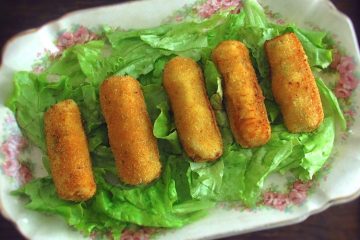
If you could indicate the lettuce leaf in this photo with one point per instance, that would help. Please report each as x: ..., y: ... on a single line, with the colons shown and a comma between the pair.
x: 186, y: 190
x: 32, y: 96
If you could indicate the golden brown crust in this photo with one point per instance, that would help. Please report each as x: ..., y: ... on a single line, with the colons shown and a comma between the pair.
x: 68, y: 152
x: 194, y: 116
x: 130, y: 130
x: 243, y: 96
x: 293, y: 84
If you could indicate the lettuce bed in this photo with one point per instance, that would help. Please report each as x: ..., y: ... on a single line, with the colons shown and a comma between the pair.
x: 185, y: 190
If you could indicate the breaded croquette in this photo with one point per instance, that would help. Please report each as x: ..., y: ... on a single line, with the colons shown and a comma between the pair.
x: 244, y: 100
x: 194, y: 117
x: 130, y: 130
x: 68, y: 152
x: 293, y: 84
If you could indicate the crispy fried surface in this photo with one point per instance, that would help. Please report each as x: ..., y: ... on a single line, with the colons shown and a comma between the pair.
x: 130, y: 130
x: 194, y: 117
x: 243, y: 96
x: 293, y: 84
x: 68, y: 152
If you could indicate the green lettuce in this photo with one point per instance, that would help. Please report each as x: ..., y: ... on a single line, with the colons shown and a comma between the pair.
x: 186, y: 190
x: 32, y: 96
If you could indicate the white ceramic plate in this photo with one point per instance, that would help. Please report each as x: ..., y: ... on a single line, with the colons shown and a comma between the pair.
x: 340, y: 185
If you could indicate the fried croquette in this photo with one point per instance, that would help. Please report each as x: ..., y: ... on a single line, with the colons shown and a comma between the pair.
x: 68, y: 152
x: 130, y: 130
x: 194, y: 117
x: 293, y: 84
x: 244, y: 100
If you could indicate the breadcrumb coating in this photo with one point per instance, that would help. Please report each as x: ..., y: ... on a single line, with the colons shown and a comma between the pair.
x: 194, y: 117
x: 130, y: 130
x: 293, y: 84
x: 243, y: 96
x: 68, y: 152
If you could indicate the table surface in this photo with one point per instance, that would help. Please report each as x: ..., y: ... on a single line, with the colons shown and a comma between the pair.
x: 338, y: 222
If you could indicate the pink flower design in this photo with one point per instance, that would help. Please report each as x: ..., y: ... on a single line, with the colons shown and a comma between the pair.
x: 348, y: 82
x: 301, y: 186
x: 297, y: 197
x: 350, y: 113
x: 276, y: 200
x: 38, y: 69
x: 141, y: 234
x: 280, y: 21
x: 83, y: 35
x: 65, y: 40
x: 336, y: 59
x: 11, y: 168
x: 298, y: 193
x: 25, y: 174
x: 11, y: 148
x: 80, y: 36
x: 212, y: 6
x: 346, y: 65
x: 342, y: 92
x: 280, y: 201
x: 10, y: 119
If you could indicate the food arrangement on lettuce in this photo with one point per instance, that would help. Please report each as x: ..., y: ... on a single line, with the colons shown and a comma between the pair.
x: 185, y: 190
